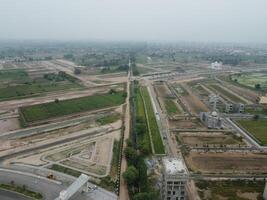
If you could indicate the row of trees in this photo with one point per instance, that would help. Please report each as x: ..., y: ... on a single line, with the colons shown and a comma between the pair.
x: 139, y: 186
x: 136, y: 176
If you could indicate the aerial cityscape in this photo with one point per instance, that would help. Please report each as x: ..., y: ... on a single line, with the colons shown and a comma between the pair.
x: 119, y: 116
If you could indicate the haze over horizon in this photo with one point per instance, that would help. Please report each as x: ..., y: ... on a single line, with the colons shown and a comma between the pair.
x: 150, y: 20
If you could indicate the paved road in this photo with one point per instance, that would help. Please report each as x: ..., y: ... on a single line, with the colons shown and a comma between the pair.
x: 6, y: 195
x: 46, y: 187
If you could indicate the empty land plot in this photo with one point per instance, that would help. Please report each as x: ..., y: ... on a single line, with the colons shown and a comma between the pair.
x: 198, y: 139
x: 153, y: 126
x: 237, y: 189
x: 19, y: 85
x: 227, y: 162
x: 257, y: 128
x: 186, y: 124
x: 108, y: 119
x: 195, y: 105
x: 226, y: 93
x: 162, y: 90
x: 45, y: 111
x: 171, y: 107
x: 251, y: 79
x: 13, y: 76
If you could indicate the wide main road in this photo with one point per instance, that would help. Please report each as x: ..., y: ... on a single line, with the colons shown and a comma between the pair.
x: 50, y: 189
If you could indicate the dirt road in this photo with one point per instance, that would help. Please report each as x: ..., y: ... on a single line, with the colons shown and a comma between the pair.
x: 123, y: 185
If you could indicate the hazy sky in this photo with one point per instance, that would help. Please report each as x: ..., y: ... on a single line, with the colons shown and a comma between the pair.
x: 174, y: 20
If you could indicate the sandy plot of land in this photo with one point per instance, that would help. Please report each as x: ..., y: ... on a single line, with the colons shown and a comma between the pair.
x: 194, y: 104
x: 214, y: 138
x: 10, y: 124
x: 185, y: 124
x: 108, y: 78
x: 162, y: 90
x: 227, y: 162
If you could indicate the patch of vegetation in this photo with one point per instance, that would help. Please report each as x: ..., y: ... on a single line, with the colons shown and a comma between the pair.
x: 22, y: 190
x: 256, y: 81
x: 71, y: 106
x: 136, y: 177
x: 18, y: 74
x: 28, y: 88
x: 143, y: 138
x: 229, y: 189
x: 65, y: 170
x: 257, y: 128
x: 135, y: 70
x: 153, y: 126
x: 171, y: 107
x: 108, y: 119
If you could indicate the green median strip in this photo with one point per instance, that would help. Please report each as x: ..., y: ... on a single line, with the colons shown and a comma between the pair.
x: 153, y: 126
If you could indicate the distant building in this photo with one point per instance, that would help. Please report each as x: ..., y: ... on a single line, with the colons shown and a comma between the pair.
x: 228, y: 107
x: 216, y: 65
x: 175, y: 176
x: 211, y: 119
x: 234, y: 108
x: 239, y: 108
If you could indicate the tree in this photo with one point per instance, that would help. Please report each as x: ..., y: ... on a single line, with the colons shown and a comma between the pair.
x: 131, y: 155
x: 256, y: 117
x: 147, y: 196
x: 131, y: 175
x: 77, y: 71
x: 258, y: 86
x: 112, y: 91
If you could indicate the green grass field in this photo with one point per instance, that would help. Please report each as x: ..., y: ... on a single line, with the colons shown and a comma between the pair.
x: 108, y: 119
x: 156, y: 138
x: 231, y: 190
x: 14, y: 75
x: 257, y: 128
x: 251, y: 79
x: 170, y: 106
x: 224, y: 92
x: 19, y: 91
x: 16, y: 84
x: 49, y: 110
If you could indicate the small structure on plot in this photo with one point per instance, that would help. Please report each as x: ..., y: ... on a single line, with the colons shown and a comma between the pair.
x: 211, y: 119
x: 234, y: 108
x: 175, y: 177
x: 263, y: 100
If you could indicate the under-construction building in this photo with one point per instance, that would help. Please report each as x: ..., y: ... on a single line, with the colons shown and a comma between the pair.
x: 175, y: 176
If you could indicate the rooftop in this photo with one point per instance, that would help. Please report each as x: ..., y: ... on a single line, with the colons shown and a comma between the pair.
x: 174, y: 166
x: 263, y: 100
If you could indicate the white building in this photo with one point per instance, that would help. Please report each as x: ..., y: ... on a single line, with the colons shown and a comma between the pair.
x: 216, y: 65
x: 175, y: 176
x: 211, y: 120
